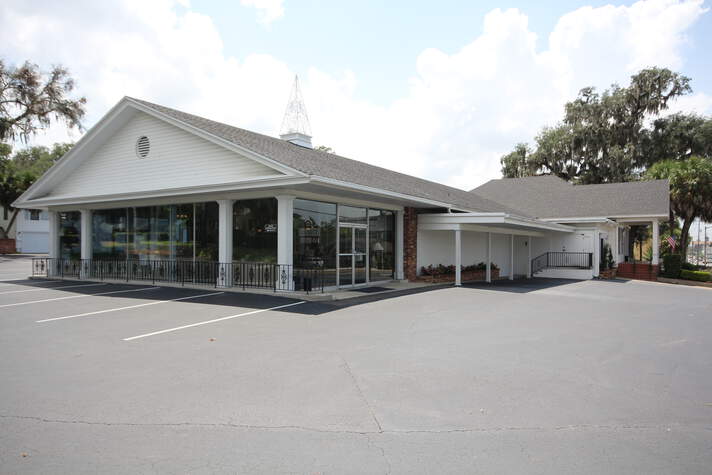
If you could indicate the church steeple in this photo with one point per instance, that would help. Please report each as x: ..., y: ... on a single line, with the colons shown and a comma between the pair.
x: 295, y: 125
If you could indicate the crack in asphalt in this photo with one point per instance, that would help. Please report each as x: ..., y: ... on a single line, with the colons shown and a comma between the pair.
x: 354, y: 432
x: 361, y: 394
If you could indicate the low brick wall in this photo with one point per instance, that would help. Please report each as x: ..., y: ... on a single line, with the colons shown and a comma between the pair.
x: 7, y: 246
x: 629, y: 270
x: 466, y: 277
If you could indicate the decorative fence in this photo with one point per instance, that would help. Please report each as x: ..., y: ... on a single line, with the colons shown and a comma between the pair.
x: 255, y: 275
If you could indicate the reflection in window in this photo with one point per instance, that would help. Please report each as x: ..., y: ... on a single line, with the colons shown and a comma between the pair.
x: 70, y: 235
x: 110, y: 233
x: 381, y: 245
x: 351, y: 214
x: 206, y: 231
x: 255, y: 230
x: 314, y: 228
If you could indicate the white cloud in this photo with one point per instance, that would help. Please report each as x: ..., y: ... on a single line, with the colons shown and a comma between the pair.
x: 267, y: 10
x: 460, y: 113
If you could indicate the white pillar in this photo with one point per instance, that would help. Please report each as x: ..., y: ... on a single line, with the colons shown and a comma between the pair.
x: 285, y: 237
x: 399, y: 245
x: 53, y: 222
x: 596, y: 252
x: 488, y: 274
x: 85, y: 243
x: 656, y: 243
x: 86, y: 234
x: 616, y: 246
x: 529, y: 257
x: 458, y: 257
x: 511, y: 257
x: 225, y: 243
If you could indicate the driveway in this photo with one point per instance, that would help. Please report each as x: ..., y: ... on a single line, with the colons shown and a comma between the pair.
x: 525, y: 377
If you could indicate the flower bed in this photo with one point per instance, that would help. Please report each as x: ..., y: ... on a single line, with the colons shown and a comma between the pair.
x: 442, y: 274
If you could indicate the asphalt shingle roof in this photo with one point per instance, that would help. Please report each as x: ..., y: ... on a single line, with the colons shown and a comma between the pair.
x: 551, y: 197
x: 327, y: 165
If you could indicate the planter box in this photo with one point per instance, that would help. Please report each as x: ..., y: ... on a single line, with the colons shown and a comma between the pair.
x: 7, y: 246
x: 466, y: 277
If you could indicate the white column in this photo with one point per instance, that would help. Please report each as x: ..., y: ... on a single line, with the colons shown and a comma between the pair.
x: 285, y: 250
x: 616, y: 246
x: 488, y: 274
x: 529, y: 257
x: 225, y: 242
x: 458, y: 257
x: 399, y: 245
x: 53, y: 222
x: 596, y: 252
x: 511, y: 257
x: 86, y: 234
x: 85, y: 243
x: 656, y: 243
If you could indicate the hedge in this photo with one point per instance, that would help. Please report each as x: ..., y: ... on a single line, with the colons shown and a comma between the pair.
x: 696, y: 275
x: 671, y: 265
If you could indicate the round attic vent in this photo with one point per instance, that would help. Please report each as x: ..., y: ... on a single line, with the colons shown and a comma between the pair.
x: 143, y: 146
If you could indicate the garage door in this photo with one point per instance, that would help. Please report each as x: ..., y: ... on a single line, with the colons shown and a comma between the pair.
x: 34, y: 243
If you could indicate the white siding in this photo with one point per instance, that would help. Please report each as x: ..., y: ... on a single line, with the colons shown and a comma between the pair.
x: 177, y: 159
x: 438, y: 247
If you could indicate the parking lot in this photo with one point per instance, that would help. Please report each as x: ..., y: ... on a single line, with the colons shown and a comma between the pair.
x: 525, y: 377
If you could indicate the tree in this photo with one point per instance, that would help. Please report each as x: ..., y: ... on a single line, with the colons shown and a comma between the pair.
x: 30, y: 100
x: 678, y: 136
x: 324, y: 148
x: 601, y: 136
x: 516, y: 164
x: 690, y: 191
x: 19, y: 171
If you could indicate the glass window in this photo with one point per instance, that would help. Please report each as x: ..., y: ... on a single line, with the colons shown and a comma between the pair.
x: 150, y: 233
x: 206, y: 231
x: 34, y: 214
x: 110, y: 233
x: 255, y: 230
x: 350, y: 214
x: 314, y: 227
x: 381, y: 245
x: 70, y: 235
x: 182, y: 217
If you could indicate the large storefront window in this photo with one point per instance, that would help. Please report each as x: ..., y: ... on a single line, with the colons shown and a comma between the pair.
x: 110, y: 233
x: 184, y: 231
x: 381, y: 245
x: 206, y: 231
x: 315, y: 237
x: 255, y: 230
x: 70, y: 235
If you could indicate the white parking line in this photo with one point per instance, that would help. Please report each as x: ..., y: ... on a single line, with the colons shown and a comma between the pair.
x: 212, y: 321
x: 78, y: 296
x: 49, y: 288
x: 126, y: 308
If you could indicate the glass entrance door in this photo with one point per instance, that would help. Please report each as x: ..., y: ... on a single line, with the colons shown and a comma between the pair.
x: 353, y: 255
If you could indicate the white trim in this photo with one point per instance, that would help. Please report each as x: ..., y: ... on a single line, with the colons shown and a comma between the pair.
x: 261, y: 182
x: 371, y: 190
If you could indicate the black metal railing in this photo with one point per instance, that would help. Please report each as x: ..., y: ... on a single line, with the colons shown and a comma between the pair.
x: 571, y: 260
x: 254, y: 275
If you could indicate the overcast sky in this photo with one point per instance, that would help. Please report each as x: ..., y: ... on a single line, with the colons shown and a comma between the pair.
x: 436, y: 89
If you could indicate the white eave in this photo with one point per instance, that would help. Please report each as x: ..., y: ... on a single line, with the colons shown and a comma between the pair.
x: 488, y: 222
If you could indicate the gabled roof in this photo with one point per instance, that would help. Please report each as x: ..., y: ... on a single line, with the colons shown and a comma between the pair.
x: 548, y: 196
x: 335, y: 167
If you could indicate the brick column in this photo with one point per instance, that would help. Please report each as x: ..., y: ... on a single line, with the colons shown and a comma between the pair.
x: 410, y: 243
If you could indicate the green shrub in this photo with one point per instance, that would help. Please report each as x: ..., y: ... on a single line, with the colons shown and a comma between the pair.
x: 688, y: 266
x: 696, y: 275
x: 671, y: 266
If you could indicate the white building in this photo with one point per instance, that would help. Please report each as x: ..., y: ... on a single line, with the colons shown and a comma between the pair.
x: 32, y: 236
x: 154, y: 193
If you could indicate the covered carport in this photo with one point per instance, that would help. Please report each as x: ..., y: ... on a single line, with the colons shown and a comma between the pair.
x: 463, y: 237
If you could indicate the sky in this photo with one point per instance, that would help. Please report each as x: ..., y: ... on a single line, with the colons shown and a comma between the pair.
x: 440, y: 90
